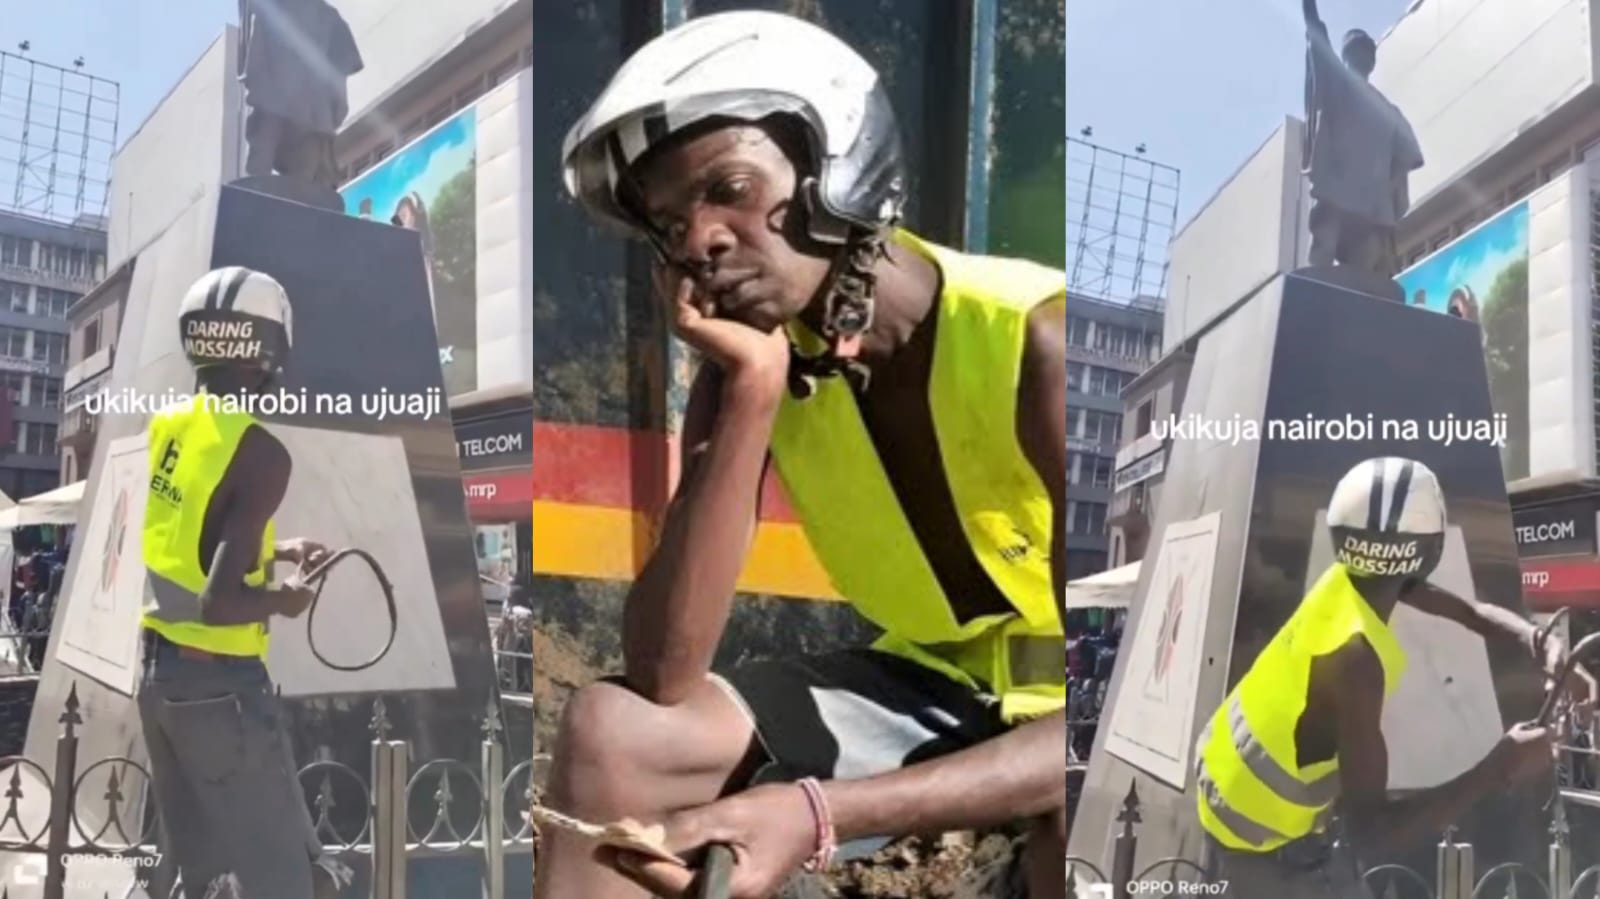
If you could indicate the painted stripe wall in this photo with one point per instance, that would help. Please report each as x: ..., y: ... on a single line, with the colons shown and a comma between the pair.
x: 594, y: 489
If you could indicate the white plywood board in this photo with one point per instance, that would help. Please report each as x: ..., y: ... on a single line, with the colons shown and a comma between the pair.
x: 1161, y: 683
x: 100, y: 633
x: 347, y: 490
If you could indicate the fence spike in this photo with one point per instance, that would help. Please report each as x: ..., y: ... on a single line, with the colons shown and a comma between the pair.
x: 491, y: 723
x: 380, y: 719
x: 70, y: 716
x: 1130, y: 808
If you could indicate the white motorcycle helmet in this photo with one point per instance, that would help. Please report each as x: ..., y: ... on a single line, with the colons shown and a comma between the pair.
x: 747, y: 66
x: 1387, y: 516
x: 238, y: 317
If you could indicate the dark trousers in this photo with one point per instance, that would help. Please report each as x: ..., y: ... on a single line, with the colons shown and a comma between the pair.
x: 1312, y: 867
x: 1337, y: 236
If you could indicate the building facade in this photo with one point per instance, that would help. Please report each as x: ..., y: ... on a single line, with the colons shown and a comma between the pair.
x: 1108, y: 346
x: 439, y: 140
x: 46, y: 267
x: 95, y: 322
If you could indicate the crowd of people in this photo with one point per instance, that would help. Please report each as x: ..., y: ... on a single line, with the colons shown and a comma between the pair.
x: 38, y: 568
x: 1093, y: 636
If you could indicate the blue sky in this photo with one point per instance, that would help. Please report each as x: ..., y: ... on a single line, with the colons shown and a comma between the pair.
x: 144, y: 45
x: 1202, y: 84
x: 1473, y: 260
x: 423, y: 166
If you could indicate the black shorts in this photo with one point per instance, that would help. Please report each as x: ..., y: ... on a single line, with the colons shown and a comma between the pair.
x: 855, y: 713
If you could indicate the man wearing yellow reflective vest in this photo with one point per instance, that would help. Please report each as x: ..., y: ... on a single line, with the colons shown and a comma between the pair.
x: 1299, y: 739
x: 913, y: 401
x: 223, y: 777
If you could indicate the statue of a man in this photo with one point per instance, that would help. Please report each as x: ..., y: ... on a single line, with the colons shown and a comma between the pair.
x: 1359, y: 152
x: 294, y: 59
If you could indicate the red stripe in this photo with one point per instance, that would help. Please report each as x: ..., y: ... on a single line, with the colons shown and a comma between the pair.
x: 619, y: 468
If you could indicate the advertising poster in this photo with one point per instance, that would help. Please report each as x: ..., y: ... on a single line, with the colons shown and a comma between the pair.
x: 1483, y: 277
x: 430, y: 186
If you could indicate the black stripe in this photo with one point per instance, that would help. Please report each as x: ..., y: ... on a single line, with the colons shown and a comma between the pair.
x: 1375, y: 499
x: 1402, y: 486
x: 238, y: 278
x: 655, y: 129
x: 211, y: 295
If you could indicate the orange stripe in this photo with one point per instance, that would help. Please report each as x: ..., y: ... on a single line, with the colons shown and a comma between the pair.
x: 612, y: 544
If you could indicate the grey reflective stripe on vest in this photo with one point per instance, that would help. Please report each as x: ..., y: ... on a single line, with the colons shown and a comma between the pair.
x: 1252, y: 832
x: 1266, y: 769
x: 166, y: 601
x: 1036, y: 660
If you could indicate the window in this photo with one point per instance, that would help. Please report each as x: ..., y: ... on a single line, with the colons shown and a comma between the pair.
x: 49, y: 347
x: 1143, y: 417
x: 91, y: 338
x: 1103, y: 427
x: 44, y: 391
x: 40, y: 439
x: 1088, y: 518
x: 14, y: 296
x: 16, y: 251
x: 54, y: 303
x: 1106, y: 381
x: 1077, y: 331
x: 13, y: 342
x: 1075, y: 377
x: 1104, y: 467
x: 14, y: 383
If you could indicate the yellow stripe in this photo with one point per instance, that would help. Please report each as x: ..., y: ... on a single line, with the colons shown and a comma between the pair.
x: 612, y: 544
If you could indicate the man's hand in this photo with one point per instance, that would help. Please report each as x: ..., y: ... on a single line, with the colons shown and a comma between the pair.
x: 300, y: 552
x: 293, y: 598
x: 1526, y: 751
x: 1581, y: 690
x: 738, y: 349
x: 771, y: 829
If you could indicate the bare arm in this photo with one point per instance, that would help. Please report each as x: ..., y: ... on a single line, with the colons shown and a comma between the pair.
x: 1485, y: 619
x: 1042, y: 425
x: 679, y: 604
x: 1376, y: 820
x: 226, y: 599
x: 1020, y: 774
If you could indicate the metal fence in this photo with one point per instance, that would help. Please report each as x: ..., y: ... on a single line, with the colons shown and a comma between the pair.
x: 1455, y: 874
x: 390, y: 826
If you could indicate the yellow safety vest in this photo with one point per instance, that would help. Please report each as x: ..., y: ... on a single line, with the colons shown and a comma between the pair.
x: 191, y: 446
x: 854, y: 521
x: 1252, y: 793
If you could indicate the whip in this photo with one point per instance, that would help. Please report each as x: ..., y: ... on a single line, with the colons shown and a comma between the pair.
x: 318, y: 576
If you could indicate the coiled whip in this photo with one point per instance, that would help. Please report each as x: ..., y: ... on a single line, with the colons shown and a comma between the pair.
x: 318, y: 576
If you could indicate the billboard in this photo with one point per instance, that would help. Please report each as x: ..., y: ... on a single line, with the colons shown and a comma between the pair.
x: 1483, y: 276
x: 430, y: 186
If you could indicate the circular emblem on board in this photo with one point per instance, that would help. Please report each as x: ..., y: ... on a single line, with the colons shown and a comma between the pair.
x: 114, y: 537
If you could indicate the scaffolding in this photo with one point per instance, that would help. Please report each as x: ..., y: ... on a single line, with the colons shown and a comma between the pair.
x: 58, y: 131
x: 1122, y: 213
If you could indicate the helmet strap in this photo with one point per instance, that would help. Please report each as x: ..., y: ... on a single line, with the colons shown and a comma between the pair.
x: 847, y: 313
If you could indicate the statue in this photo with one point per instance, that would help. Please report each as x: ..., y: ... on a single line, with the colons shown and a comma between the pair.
x: 1359, y: 153
x: 295, y: 56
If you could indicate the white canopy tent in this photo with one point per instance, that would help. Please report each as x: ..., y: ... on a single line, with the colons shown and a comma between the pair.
x: 1107, y: 590
x: 58, y: 506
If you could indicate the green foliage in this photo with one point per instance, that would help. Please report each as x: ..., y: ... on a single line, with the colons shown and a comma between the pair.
x: 1505, y: 325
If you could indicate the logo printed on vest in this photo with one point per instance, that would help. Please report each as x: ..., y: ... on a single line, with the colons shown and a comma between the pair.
x: 160, y: 486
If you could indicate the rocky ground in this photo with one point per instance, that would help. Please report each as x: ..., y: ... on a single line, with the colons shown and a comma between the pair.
x: 952, y: 866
